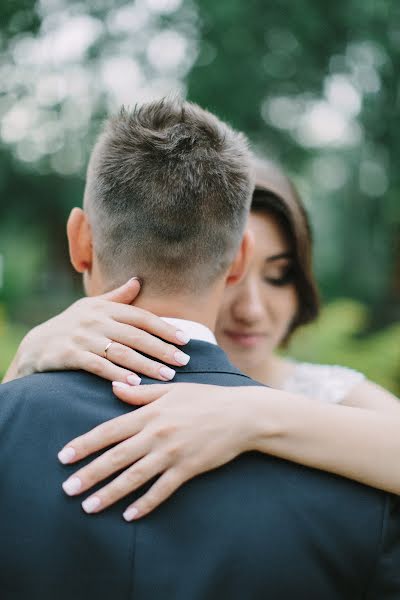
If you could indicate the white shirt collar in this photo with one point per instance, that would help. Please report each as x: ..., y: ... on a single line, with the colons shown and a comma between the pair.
x: 196, y: 331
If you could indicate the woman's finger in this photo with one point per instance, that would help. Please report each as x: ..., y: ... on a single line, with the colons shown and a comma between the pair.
x: 104, y: 435
x: 146, y: 343
x: 145, y: 320
x: 162, y: 489
x: 140, y: 395
x: 126, y: 293
x: 115, y: 459
x: 88, y: 361
x: 132, y: 360
x: 130, y: 480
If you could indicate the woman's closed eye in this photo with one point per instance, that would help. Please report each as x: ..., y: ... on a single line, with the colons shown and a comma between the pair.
x: 282, y: 278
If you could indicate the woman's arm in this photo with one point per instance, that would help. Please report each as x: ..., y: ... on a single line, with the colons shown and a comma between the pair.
x: 187, y: 429
x: 361, y: 443
x: 77, y: 338
x: 371, y: 396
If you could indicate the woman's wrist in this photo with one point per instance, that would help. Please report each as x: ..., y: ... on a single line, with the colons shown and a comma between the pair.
x: 261, y: 417
x: 18, y: 366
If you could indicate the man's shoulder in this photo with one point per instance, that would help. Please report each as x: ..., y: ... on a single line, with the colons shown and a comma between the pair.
x: 52, y: 392
x: 42, y: 385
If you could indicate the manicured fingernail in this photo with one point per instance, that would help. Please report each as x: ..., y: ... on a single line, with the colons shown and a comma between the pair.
x: 72, y: 486
x: 66, y: 455
x: 119, y: 384
x: 181, y: 358
x: 91, y: 504
x: 133, y: 379
x: 167, y: 373
x: 130, y: 513
x: 136, y: 279
x: 183, y: 337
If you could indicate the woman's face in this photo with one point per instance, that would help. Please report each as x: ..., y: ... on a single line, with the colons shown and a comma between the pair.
x: 257, y: 312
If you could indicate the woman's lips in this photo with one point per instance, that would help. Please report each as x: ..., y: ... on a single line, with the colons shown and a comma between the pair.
x: 246, y: 340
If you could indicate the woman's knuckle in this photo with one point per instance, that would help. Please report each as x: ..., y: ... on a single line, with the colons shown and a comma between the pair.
x: 120, y: 353
x: 148, y: 502
x: 168, y: 352
x: 174, y: 452
x: 94, y: 365
x: 161, y: 432
x: 134, y: 476
x: 79, y: 337
x: 117, y: 457
x: 68, y: 354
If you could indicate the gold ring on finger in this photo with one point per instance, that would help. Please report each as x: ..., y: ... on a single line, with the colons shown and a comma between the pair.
x: 107, y: 348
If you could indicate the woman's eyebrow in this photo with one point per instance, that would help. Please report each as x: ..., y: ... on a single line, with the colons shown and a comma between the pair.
x: 279, y: 256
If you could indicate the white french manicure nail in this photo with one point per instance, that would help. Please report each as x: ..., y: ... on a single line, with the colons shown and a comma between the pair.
x: 167, y: 373
x: 91, y: 504
x: 130, y: 513
x: 133, y: 380
x: 66, y: 455
x: 119, y: 384
x: 181, y: 357
x: 183, y: 337
x: 72, y: 486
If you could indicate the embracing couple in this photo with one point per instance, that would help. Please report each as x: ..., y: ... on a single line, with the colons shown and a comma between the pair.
x: 229, y: 489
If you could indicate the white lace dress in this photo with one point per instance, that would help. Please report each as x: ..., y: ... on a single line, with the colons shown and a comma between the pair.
x: 327, y: 383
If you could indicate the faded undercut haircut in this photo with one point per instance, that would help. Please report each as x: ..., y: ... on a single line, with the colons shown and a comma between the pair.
x: 168, y: 192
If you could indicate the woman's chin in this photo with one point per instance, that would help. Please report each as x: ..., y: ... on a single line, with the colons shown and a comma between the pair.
x: 246, y: 358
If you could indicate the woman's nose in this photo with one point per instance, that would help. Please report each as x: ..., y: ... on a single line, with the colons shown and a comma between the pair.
x: 248, y: 306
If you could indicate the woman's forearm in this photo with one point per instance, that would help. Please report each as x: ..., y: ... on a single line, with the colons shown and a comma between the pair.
x: 12, y: 372
x: 356, y: 443
x: 21, y: 364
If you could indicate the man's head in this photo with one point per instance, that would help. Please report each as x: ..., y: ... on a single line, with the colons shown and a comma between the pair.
x: 167, y: 196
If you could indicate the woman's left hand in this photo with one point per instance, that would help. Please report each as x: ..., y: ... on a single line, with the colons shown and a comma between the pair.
x: 185, y: 430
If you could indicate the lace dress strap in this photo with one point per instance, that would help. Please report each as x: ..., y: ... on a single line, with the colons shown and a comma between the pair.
x: 327, y: 383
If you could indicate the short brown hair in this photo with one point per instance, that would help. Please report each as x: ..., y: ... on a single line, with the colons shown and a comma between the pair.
x: 274, y: 193
x: 168, y: 192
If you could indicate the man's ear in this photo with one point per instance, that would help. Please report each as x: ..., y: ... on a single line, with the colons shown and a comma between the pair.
x: 242, y: 259
x: 80, y: 241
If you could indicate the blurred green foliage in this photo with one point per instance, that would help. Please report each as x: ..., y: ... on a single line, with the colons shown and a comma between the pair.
x: 338, y: 338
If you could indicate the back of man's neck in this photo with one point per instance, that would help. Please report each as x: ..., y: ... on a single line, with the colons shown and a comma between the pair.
x: 204, y: 312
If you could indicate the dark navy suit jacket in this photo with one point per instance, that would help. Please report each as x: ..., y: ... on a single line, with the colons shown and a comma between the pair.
x: 257, y: 528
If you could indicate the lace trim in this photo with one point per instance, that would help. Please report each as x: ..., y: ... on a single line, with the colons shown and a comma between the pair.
x: 327, y: 383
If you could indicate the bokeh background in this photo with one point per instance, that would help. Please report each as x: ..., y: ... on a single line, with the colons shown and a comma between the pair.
x: 313, y: 83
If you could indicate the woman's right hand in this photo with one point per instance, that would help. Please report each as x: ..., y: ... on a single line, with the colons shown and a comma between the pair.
x: 77, y: 338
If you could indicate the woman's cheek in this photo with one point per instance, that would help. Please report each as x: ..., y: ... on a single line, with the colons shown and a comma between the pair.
x: 286, y: 305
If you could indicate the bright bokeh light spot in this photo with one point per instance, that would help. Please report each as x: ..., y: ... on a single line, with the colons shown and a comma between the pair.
x: 324, y: 125
x: 367, y: 79
x: 159, y: 88
x: 167, y: 50
x: 28, y: 151
x: 164, y: 6
x: 128, y: 18
x: 373, y: 178
x: 281, y: 112
x: 121, y: 77
x: 53, y: 81
x: 66, y: 42
x: 21, y: 117
x: 50, y: 89
x: 343, y: 95
x: 367, y: 53
x: 330, y: 172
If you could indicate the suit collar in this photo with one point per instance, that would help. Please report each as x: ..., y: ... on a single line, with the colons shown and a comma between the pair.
x: 195, y: 330
x: 207, y: 357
